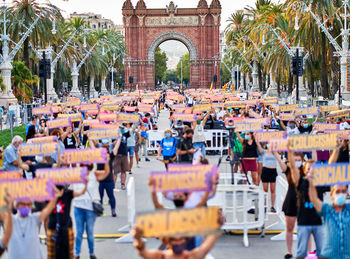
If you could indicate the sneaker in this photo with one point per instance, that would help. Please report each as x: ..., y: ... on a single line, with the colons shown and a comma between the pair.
x: 77, y: 257
x: 287, y: 256
x: 251, y: 211
x: 123, y: 187
x: 137, y: 166
x: 114, y: 214
x: 273, y: 210
x: 130, y: 172
x: 228, y: 158
x: 147, y: 160
x: 93, y: 257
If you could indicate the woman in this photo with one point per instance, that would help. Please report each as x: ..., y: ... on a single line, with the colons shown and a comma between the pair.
x: 83, y: 208
x: 167, y: 148
x: 199, y: 135
x: 70, y: 138
x: 250, y: 155
x: 144, y: 140
x: 31, y: 132
x: 269, y: 173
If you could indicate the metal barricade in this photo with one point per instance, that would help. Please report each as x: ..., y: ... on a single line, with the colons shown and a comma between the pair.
x: 235, y: 201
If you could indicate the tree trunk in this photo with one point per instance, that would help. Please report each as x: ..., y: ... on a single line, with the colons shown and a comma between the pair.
x: 260, y: 77
x: 26, y: 53
x: 324, y: 70
x: 244, y: 81
x: 290, y: 83
x: 312, y: 85
x: 278, y: 86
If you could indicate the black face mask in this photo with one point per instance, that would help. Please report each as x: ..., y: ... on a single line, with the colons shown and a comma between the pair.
x: 179, y: 203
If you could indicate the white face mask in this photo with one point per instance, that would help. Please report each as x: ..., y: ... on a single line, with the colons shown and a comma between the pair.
x: 39, y: 159
x: 298, y: 164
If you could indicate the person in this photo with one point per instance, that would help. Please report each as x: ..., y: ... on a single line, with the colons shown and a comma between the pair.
x: 31, y: 132
x: 84, y: 214
x: 309, y: 222
x: 335, y: 220
x: 184, y: 149
x: 131, y: 143
x: 34, y: 122
x: 289, y: 206
x: 144, y: 140
x: 25, y: 242
x: 10, y: 154
x: 269, y: 173
x: 341, y: 154
x: 198, y: 133
x: 1, y: 116
x: 7, y: 222
x: 70, y: 138
x: 291, y: 128
x: 167, y: 148
x: 60, y: 235
x: 235, y: 150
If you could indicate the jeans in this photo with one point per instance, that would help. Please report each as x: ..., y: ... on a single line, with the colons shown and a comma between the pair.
x: 304, y: 233
x: 108, y: 186
x: 201, y: 146
x: 84, y: 219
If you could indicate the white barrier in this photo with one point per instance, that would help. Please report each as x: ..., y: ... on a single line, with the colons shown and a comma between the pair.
x: 235, y: 201
x: 131, y: 213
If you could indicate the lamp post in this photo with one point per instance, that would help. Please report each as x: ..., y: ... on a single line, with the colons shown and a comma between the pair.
x: 181, y: 71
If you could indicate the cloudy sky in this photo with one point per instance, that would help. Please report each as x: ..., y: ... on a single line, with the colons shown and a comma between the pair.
x: 112, y: 8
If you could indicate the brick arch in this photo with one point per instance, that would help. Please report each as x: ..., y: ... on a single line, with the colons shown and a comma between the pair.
x: 172, y: 35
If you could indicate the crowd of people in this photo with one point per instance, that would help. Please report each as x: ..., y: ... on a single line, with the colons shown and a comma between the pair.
x: 184, y: 142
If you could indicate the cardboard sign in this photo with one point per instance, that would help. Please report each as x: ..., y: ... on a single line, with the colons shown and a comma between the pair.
x: 107, y: 116
x: 87, y: 107
x: 286, y: 116
x: 235, y: 104
x: 104, y: 134
x: 329, y: 108
x: 270, y: 100
x: 34, y: 149
x: 145, y: 109
x: 341, y: 134
x: 92, y: 112
x: 325, y: 126
x: 63, y: 176
x: 182, y: 181
x: 103, y: 126
x: 74, y: 117
x: 73, y: 103
x: 91, y: 155
x: 287, y: 108
x: 43, y: 139
x: 23, y: 190
x: 127, y: 117
x: 251, y: 102
x: 187, y: 168
x: 201, y: 108
x: 190, y: 222
x: 90, y: 122
x: 59, y: 123
x: 42, y: 110
x: 264, y: 121
x: 10, y: 175
x: 340, y: 113
x: 331, y: 174
x: 248, y: 127
x: 306, y: 111
x: 305, y: 143
x: 269, y: 135
x: 129, y: 108
x: 185, y: 117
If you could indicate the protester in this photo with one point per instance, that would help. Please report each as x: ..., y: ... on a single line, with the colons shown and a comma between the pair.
x: 10, y: 154
x: 184, y: 149
x: 34, y: 122
x: 6, y: 220
x: 144, y: 140
x: 131, y: 143
x: 199, y: 134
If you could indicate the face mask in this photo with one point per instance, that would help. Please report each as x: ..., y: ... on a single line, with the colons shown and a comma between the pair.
x: 122, y: 131
x: 306, y: 125
x: 179, y: 203
x: 24, y: 211
x: 168, y: 135
x: 267, y: 146
x: 292, y: 126
x: 39, y: 159
x: 178, y: 249
x: 198, y: 122
x: 298, y: 164
x: 247, y: 137
x: 340, y: 199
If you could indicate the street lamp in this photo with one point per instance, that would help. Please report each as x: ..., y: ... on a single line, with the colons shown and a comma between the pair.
x: 296, y: 26
x: 181, y: 71
x: 53, y: 31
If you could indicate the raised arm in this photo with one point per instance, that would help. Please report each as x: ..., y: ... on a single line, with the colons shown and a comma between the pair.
x: 294, y: 170
x: 140, y: 246
x: 44, y: 214
x: 313, y: 193
x: 7, y: 220
x: 280, y: 162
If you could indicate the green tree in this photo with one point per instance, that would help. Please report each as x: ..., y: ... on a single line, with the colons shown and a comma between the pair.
x: 185, y: 69
x: 22, y: 80
x: 160, y: 59
x: 170, y: 75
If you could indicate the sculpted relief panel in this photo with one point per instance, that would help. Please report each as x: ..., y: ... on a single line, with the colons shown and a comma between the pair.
x: 171, y: 21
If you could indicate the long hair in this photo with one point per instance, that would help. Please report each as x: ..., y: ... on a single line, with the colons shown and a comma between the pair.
x: 245, y: 142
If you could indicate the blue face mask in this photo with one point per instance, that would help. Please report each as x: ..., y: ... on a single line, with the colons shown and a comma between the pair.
x: 292, y: 126
x: 306, y: 125
x: 167, y: 135
x: 340, y: 199
x: 247, y: 137
x: 178, y: 249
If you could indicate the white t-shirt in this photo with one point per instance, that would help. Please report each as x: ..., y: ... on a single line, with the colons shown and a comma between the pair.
x: 85, y: 201
x: 291, y: 131
x: 220, y: 114
x: 344, y: 125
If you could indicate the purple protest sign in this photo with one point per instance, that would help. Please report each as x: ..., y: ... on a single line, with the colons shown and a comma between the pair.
x: 63, y: 176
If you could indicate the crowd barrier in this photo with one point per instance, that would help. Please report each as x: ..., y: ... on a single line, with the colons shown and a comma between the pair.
x: 216, y: 140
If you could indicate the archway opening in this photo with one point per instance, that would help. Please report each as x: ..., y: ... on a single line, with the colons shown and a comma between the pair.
x: 172, y: 63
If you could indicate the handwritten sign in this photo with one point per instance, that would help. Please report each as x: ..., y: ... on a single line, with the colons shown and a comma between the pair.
x: 23, y: 190
x: 286, y: 116
x: 107, y: 116
x: 42, y: 110
x: 248, y: 127
x: 340, y: 113
x: 305, y: 143
x: 59, y: 123
x: 91, y: 155
x: 185, y: 117
x: 74, y: 117
x: 10, y: 175
x: 329, y: 108
x: 306, y: 111
x: 43, y: 139
x: 182, y: 181
x: 287, y: 108
x: 269, y: 135
x: 37, y: 149
x: 127, y: 117
x: 63, y: 176
x: 189, y: 222
x: 331, y: 174
x: 201, y: 108
x: 325, y: 126
x: 104, y: 134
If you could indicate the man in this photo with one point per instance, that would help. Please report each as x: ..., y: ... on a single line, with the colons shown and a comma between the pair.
x: 335, y: 221
x: 120, y: 163
x: 291, y: 128
x: 185, y: 148
x: 10, y: 154
x: 199, y: 135
x: 33, y: 122
x: 1, y: 116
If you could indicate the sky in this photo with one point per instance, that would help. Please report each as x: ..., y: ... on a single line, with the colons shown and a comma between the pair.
x: 111, y: 9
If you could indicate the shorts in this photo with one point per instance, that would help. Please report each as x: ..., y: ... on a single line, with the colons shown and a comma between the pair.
x: 237, y: 157
x: 269, y: 175
x: 249, y: 164
x: 131, y: 150
x: 259, y: 158
x: 120, y: 164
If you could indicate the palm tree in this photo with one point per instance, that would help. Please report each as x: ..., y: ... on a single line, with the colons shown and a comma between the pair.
x: 22, y: 80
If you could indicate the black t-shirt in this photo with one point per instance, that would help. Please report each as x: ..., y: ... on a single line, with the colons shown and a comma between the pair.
x: 123, y: 148
x: 62, y: 211
x: 109, y: 178
x: 85, y: 137
x: 70, y: 142
x: 251, y: 150
x: 307, y: 215
x: 33, y: 168
x: 185, y: 144
x: 305, y: 130
x: 343, y: 156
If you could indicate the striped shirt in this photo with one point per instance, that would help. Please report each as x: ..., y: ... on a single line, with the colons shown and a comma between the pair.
x: 336, y: 232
